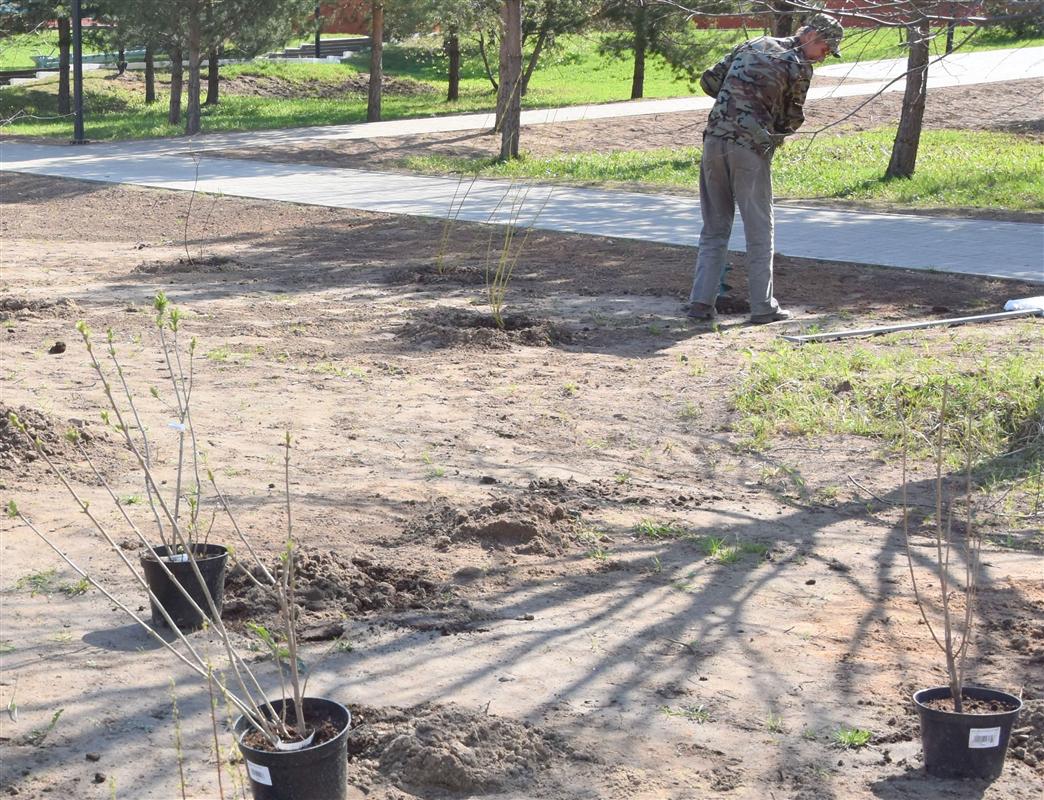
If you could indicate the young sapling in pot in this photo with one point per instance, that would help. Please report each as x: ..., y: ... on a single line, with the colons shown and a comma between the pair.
x: 964, y: 729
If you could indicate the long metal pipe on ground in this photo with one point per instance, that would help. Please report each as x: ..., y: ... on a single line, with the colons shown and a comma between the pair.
x: 910, y: 326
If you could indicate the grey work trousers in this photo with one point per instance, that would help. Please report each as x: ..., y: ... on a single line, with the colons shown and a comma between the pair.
x: 732, y: 176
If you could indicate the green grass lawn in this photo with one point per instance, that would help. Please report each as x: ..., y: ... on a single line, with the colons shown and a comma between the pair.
x: 17, y: 50
x: 954, y: 169
x: 571, y: 73
x: 814, y: 389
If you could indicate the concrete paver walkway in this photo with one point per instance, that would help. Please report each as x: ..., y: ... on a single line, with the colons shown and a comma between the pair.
x: 976, y: 247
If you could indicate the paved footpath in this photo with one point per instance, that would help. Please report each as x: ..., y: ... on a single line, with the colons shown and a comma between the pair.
x: 975, y: 247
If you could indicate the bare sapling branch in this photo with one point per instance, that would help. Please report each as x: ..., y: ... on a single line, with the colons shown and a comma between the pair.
x: 178, y: 751
x: 448, y: 224
x: 218, y: 759
x: 906, y: 527
x: 972, y: 551
x: 121, y: 425
x: 957, y: 625
x: 286, y: 598
x: 235, y: 526
x: 498, y: 278
x: 943, y: 533
x: 129, y: 395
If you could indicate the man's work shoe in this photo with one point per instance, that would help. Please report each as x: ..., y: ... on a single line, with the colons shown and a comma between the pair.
x: 775, y: 316
x: 700, y: 311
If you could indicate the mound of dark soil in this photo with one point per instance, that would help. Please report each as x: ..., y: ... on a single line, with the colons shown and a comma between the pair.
x: 17, y: 451
x: 329, y: 588
x: 587, y: 496
x: 437, y: 749
x: 1016, y: 615
x: 1027, y: 740
x: 17, y: 305
x: 189, y: 265
x: 529, y: 525
x: 359, y: 83
x: 450, y: 327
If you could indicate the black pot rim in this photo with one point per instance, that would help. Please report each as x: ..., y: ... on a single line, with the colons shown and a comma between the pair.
x: 332, y: 704
x: 204, y: 552
x: 974, y: 692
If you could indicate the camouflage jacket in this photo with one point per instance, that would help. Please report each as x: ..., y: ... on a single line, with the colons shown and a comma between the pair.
x: 760, y: 89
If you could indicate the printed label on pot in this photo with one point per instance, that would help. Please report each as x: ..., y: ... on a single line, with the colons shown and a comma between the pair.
x: 981, y: 738
x: 259, y: 773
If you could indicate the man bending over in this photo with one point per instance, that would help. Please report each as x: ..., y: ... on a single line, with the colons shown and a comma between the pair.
x: 760, y: 89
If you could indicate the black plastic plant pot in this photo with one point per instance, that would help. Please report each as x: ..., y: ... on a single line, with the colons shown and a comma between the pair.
x: 211, y: 559
x: 965, y: 745
x: 318, y: 772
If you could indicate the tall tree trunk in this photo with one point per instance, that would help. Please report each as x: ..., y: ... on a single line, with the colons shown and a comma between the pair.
x: 177, y: 78
x: 452, y: 47
x: 509, y: 100
x: 373, y: 102
x: 641, y: 43
x: 64, y: 45
x: 908, y: 136
x: 782, y: 18
x: 213, y: 77
x: 150, y: 74
x: 121, y: 60
x: 192, y: 111
x: 951, y: 26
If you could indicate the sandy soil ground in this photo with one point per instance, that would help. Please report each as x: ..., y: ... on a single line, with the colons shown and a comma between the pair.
x: 469, y: 505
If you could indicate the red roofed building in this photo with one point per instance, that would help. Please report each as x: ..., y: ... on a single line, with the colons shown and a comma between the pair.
x: 346, y: 16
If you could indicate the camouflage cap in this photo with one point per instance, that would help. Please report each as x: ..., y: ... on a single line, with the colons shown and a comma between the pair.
x: 829, y: 29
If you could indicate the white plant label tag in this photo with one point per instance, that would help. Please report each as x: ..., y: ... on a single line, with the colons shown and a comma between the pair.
x: 262, y: 775
x: 982, y: 738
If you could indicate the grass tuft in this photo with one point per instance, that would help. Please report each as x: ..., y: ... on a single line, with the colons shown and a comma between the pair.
x: 852, y: 738
x: 826, y: 388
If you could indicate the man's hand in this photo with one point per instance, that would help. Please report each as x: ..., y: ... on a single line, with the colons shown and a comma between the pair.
x: 775, y: 140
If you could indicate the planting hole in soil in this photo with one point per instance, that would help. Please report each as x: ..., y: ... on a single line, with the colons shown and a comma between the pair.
x: 454, y: 274
x: 186, y: 266
x: 331, y: 587
x: 449, y: 327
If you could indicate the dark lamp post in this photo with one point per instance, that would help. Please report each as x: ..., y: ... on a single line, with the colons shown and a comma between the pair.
x: 318, y: 30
